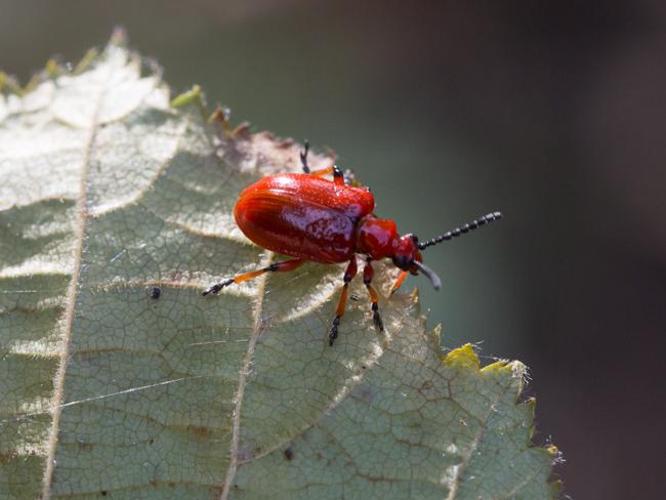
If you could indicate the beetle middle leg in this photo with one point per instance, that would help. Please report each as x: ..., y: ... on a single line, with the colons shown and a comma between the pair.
x: 276, y: 267
x: 368, y: 273
x: 350, y: 272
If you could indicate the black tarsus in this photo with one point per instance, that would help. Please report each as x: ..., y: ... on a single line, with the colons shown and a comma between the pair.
x: 333, y: 334
x: 350, y: 272
x: 486, y: 219
x: 215, y: 289
x: 376, y: 318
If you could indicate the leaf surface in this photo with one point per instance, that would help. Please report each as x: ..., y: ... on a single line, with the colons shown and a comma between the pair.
x: 107, y: 191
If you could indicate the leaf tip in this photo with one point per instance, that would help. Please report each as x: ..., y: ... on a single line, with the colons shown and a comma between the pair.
x: 9, y: 84
x: 499, y: 366
x: 462, y: 357
x: 32, y: 84
x: 86, y: 61
x: 436, y: 333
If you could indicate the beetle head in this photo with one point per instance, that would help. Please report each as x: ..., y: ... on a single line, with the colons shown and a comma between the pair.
x: 407, y: 257
x: 406, y: 251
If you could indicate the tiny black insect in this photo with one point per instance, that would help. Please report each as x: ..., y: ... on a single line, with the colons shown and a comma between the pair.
x: 155, y: 292
x: 289, y: 454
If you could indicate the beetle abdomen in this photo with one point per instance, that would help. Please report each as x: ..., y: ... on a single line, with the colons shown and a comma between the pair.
x: 303, y: 216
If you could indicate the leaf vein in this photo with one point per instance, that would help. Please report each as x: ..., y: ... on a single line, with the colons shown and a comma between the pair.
x: 72, y: 292
x: 242, y: 381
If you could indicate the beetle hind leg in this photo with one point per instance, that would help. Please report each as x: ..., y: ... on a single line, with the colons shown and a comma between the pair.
x: 338, y: 175
x: 304, y: 156
x: 350, y: 272
x: 276, y: 267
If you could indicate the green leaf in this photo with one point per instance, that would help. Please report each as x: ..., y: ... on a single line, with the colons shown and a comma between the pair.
x: 107, y: 191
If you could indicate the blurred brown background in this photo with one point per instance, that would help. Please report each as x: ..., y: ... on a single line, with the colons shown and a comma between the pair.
x: 552, y: 111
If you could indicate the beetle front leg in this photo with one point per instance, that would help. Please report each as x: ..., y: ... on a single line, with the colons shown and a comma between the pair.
x: 350, y: 272
x: 277, y: 267
x: 368, y: 274
x: 399, y: 281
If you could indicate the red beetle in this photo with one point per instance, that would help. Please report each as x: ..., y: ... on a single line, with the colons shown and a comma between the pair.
x: 314, y: 219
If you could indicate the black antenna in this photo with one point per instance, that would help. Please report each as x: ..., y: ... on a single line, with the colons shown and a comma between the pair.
x: 486, y: 219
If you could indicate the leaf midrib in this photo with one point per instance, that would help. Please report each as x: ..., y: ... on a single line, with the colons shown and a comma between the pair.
x: 70, y: 299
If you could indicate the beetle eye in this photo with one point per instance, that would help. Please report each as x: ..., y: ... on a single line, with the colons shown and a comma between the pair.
x: 402, y: 261
x: 415, y: 239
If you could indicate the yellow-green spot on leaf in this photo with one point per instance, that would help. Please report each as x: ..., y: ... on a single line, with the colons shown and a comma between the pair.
x: 193, y: 95
x: 107, y: 191
x: 463, y: 357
